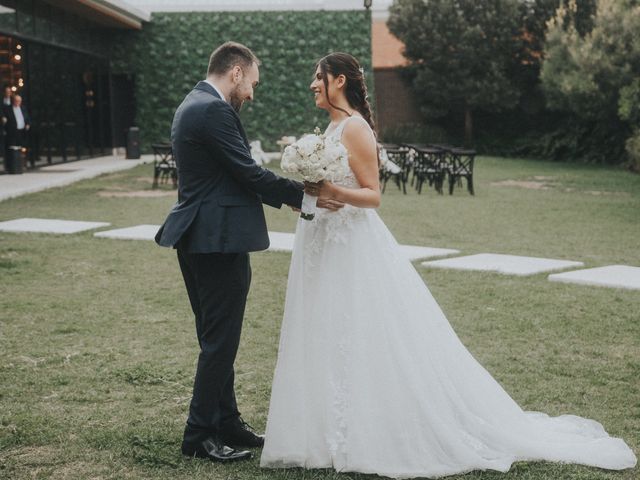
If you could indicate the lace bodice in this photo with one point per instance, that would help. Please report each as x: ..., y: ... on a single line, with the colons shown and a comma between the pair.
x: 349, y: 179
x: 328, y: 226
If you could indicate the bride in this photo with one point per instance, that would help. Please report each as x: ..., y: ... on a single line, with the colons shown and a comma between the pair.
x: 370, y: 376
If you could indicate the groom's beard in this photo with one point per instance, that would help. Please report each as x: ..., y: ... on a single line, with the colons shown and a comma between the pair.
x: 235, y: 101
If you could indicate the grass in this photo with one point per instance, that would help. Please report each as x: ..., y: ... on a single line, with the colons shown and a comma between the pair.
x: 97, y: 344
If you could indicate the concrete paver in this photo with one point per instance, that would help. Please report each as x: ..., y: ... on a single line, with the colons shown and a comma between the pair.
x: 505, y: 264
x: 615, y: 276
x: 64, y: 174
x: 48, y: 225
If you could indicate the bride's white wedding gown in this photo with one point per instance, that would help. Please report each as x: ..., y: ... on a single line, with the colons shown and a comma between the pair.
x: 371, y: 377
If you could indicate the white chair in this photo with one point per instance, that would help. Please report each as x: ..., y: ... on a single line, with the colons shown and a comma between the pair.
x: 285, y: 141
x: 388, y: 165
x: 258, y: 154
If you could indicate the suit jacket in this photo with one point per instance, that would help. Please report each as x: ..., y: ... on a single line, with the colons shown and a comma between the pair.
x: 220, y: 187
x: 11, y: 127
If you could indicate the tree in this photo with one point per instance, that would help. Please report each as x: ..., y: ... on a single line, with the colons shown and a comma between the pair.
x: 595, y: 74
x: 461, y: 53
x: 629, y: 111
x: 535, y: 16
x: 527, y: 60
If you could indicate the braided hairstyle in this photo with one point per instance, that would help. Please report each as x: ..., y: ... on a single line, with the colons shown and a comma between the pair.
x: 338, y: 63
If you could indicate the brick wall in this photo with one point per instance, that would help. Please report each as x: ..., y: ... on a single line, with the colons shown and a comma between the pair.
x: 394, y: 100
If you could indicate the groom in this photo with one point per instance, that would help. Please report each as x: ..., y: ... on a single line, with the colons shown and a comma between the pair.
x: 217, y: 220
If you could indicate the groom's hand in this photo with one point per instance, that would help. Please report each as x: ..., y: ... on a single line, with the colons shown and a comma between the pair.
x: 312, y: 188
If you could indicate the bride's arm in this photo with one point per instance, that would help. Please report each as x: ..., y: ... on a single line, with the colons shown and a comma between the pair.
x: 363, y: 160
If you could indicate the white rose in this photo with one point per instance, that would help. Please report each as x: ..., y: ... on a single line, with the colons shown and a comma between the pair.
x: 313, y: 160
x: 290, y: 159
x: 308, y: 144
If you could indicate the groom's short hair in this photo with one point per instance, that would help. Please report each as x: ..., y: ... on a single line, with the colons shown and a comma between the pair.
x: 229, y: 54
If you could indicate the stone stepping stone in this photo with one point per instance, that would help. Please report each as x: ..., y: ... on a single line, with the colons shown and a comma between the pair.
x: 279, y: 241
x: 47, y: 225
x: 414, y: 252
x: 506, y: 264
x: 617, y: 276
x: 139, y: 232
x: 283, y: 242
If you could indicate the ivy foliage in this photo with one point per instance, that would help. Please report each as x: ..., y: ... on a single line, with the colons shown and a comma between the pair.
x: 171, y: 53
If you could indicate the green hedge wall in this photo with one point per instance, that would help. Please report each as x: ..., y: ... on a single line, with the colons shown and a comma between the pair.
x: 171, y: 53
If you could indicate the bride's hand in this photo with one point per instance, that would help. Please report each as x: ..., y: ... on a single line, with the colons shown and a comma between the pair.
x: 325, y: 191
x: 329, y: 204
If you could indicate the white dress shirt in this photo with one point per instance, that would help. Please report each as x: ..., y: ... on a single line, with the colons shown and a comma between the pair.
x: 217, y: 90
x: 17, y: 111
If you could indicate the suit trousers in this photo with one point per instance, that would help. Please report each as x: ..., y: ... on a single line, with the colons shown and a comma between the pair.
x: 217, y: 285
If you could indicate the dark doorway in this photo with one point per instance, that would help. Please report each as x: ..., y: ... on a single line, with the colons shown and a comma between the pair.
x: 124, y: 107
x: 67, y: 94
x: 12, y: 74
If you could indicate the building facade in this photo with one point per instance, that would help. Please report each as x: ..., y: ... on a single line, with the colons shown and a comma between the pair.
x: 89, y: 69
x: 395, y: 102
x: 56, y: 55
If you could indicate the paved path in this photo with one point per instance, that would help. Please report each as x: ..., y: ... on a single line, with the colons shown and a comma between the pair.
x: 63, y: 174
x: 48, y: 225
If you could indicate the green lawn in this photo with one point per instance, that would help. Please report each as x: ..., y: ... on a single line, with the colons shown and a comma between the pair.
x: 97, y: 343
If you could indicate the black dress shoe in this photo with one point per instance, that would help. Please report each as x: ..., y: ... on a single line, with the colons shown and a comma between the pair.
x: 240, y: 434
x: 215, y: 450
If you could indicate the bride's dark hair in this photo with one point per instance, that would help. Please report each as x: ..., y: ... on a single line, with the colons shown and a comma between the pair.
x: 339, y: 63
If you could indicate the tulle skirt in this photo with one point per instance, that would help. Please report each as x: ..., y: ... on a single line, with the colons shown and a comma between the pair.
x: 371, y: 377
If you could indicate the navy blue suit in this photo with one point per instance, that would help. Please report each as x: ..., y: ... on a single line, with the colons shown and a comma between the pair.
x: 217, y: 220
x: 220, y: 187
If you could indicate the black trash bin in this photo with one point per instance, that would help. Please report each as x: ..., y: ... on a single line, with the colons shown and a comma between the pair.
x: 13, y: 160
x: 133, y: 143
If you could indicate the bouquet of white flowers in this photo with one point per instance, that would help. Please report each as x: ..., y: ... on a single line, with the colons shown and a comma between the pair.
x: 315, y: 157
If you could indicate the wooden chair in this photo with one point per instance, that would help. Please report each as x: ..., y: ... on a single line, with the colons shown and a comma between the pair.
x: 430, y: 166
x: 398, y: 157
x: 164, y: 166
x: 461, y: 166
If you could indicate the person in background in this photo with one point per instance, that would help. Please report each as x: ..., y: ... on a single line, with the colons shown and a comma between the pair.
x: 6, y: 101
x: 17, y: 122
x: 8, y: 93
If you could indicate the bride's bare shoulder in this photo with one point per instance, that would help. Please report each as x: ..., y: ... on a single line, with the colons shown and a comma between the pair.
x: 357, y: 132
x: 360, y: 142
x: 356, y: 123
